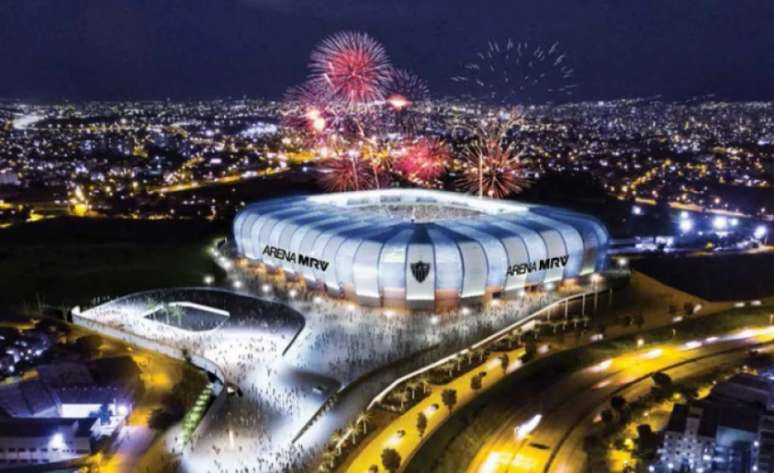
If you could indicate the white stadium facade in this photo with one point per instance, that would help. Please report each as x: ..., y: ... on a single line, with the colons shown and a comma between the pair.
x: 418, y: 249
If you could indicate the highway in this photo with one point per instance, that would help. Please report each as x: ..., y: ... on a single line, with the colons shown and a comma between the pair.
x: 570, y: 406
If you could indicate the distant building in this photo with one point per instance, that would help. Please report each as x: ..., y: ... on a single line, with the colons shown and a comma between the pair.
x: 730, y: 431
x: 40, y: 441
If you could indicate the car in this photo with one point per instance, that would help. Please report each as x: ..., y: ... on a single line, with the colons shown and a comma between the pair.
x: 539, y: 446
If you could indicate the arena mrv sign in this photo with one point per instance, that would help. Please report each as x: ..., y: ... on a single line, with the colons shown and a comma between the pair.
x: 293, y: 257
x: 539, y: 265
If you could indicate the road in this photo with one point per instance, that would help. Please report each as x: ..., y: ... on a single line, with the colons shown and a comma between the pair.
x: 571, y: 406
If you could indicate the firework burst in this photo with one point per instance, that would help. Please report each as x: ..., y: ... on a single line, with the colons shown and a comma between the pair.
x: 491, y: 164
x: 424, y: 160
x: 510, y: 72
x: 404, y: 92
x: 353, y: 66
x: 345, y: 173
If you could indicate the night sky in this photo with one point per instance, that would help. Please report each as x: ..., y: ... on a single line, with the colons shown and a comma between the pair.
x: 180, y: 49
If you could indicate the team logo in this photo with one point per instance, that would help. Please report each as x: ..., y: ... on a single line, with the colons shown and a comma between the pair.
x: 420, y: 270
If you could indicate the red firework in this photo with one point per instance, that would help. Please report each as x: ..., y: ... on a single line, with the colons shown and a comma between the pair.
x: 425, y: 159
x: 307, y: 107
x: 344, y: 173
x: 353, y: 66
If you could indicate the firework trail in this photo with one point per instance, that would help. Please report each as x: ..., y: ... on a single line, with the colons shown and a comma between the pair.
x: 511, y: 72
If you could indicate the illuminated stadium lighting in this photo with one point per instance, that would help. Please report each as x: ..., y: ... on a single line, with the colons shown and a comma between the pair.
x: 686, y: 225
x: 419, y: 249
x: 760, y: 232
x: 684, y: 215
x: 636, y: 210
x: 734, y: 222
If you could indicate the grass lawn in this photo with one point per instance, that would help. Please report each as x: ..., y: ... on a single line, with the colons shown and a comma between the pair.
x: 69, y: 261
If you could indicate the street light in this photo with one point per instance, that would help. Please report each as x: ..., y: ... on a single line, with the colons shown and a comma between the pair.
x: 760, y: 232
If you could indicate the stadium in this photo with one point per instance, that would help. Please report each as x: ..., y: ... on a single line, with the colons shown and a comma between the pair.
x: 418, y: 249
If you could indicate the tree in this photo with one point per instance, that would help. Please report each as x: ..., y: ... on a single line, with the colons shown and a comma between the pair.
x: 662, y: 380
x: 89, y: 345
x: 607, y: 416
x: 618, y: 403
x: 475, y: 382
x: 449, y: 398
x: 391, y: 459
x: 421, y: 423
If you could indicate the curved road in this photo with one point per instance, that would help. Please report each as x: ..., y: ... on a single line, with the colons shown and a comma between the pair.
x: 570, y: 406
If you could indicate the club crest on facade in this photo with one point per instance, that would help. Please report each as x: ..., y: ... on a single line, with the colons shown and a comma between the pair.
x: 420, y: 270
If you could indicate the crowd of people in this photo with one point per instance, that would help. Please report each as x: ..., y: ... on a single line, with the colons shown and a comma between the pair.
x: 265, y: 348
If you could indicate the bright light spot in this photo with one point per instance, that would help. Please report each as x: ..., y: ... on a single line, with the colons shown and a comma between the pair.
x: 602, y: 366
x: 711, y: 339
x: 350, y: 307
x: 208, y: 279
x: 691, y: 345
x: 734, y: 222
x: 237, y: 284
x: 637, y: 210
x: 435, y: 319
x: 266, y: 288
x: 317, y: 300
x: 640, y: 342
x: 292, y: 293
x: 623, y: 262
x: 684, y: 215
x: 720, y: 223
x: 653, y: 354
x: 686, y: 225
x: 523, y: 430
x: 465, y: 311
x: 398, y: 102
x: 57, y: 441
x: 601, y: 384
x: 760, y: 232
x: 493, y: 463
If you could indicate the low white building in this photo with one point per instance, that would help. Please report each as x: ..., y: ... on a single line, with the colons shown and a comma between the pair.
x: 41, y: 441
